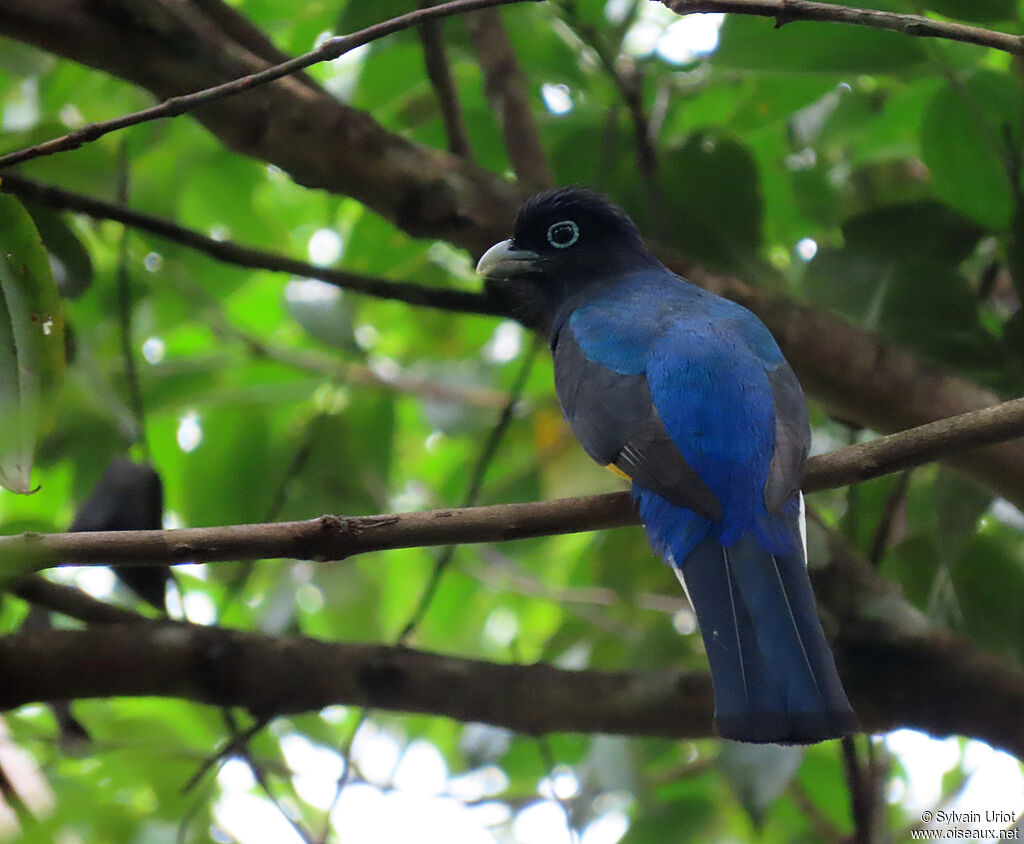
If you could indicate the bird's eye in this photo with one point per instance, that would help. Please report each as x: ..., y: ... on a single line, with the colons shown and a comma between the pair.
x: 564, y: 234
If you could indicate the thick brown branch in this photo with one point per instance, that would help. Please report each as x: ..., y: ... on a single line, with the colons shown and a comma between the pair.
x: 330, y: 49
x: 926, y: 680
x: 270, y: 675
x: 336, y: 537
x: 785, y: 11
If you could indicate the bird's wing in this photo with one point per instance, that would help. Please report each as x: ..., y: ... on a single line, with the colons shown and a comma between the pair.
x: 792, y: 428
x: 616, y: 421
x: 792, y: 438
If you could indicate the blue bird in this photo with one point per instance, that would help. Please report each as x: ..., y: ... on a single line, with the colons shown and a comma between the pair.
x: 688, y: 396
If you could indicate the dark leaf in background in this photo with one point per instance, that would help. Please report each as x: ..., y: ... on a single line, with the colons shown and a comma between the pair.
x: 69, y: 259
x: 926, y: 228
x: 753, y: 43
x: 713, y: 198
x: 967, y: 133
x: 129, y: 496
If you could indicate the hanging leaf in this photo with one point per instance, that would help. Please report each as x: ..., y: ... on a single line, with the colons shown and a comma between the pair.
x: 758, y: 773
x: 31, y: 342
x: 69, y: 259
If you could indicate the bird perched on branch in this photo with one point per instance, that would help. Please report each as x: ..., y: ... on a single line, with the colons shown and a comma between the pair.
x: 688, y: 396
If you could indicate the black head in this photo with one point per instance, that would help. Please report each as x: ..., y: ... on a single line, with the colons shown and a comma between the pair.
x: 564, y: 242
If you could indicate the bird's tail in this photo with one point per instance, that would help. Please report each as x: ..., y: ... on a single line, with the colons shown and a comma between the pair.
x: 774, y: 676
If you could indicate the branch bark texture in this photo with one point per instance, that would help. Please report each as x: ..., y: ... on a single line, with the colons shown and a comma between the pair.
x: 338, y: 537
x: 926, y: 680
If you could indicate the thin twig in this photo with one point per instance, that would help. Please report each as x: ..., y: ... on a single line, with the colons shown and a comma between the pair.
x: 235, y: 744
x: 858, y: 783
x: 259, y: 774
x: 72, y: 602
x: 787, y: 11
x: 245, y: 256
x: 124, y: 312
x: 894, y: 504
x: 473, y: 490
x: 439, y: 73
x: 330, y: 49
x: 628, y: 78
x: 548, y: 756
x: 346, y: 774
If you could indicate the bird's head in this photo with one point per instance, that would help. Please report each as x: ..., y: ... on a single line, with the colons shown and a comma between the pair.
x: 565, y: 243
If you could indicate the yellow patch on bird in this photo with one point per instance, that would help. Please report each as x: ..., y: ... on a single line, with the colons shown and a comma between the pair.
x: 615, y: 470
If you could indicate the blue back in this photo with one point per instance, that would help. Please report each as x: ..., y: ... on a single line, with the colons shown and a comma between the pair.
x: 707, y: 362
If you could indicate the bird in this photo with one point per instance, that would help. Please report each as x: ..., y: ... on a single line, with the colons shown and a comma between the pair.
x: 687, y: 395
x: 129, y: 496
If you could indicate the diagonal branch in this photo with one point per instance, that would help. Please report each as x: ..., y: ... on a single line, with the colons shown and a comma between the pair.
x: 439, y: 73
x: 247, y: 256
x: 786, y: 11
x: 330, y: 49
x: 507, y: 91
x: 337, y: 537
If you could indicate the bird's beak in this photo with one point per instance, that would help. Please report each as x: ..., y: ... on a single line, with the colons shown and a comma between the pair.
x: 503, y: 261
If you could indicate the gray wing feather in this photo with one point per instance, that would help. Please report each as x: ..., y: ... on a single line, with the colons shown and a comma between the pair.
x: 792, y: 438
x: 614, y: 418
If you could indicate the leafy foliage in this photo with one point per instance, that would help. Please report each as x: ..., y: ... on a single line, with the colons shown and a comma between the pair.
x: 866, y: 172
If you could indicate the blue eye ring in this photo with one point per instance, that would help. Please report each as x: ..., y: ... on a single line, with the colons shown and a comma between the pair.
x: 563, y: 234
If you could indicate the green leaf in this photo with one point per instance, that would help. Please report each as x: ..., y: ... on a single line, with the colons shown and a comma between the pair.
x: 749, y: 43
x: 31, y: 342
x: 357, y: 15
x: 926, y: 229
x: 988, y: 582
x: 967, y: 133
x: 714, y: 197
x: 759, y: 773
x: 73, y: 266
x: 958, y: 505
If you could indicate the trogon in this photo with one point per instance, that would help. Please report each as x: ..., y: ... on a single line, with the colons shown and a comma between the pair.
x: 688, y: 395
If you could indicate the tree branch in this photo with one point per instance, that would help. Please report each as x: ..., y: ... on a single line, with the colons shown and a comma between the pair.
x: 247, y: 256
x: 439, y: 73
x: 916, y: 446
x: 786, y: 11
x: 338, y: 537
x: 330, y: 49
x: 270, y: 676
x: 507, y: 91
x: 926, y: 680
